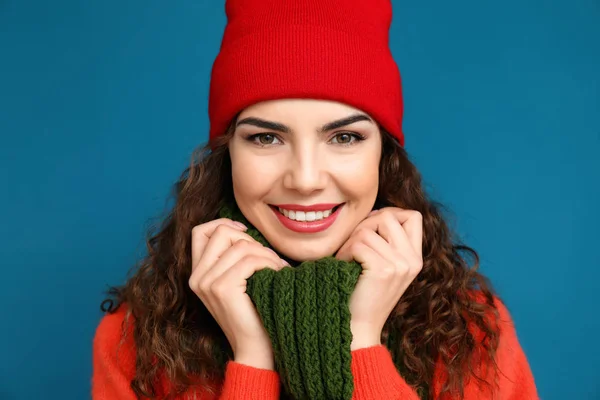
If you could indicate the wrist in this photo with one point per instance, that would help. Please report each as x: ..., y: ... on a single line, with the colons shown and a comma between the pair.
x: 256, y: 358
x: 363, y: 343
x: 362, y: 338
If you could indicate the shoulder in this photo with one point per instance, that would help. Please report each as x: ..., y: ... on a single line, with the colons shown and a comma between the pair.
x: 509, y: 357
x: 509, y: 350
x: 497, y: 314
x: 113, y: 342
x: 112, y: 327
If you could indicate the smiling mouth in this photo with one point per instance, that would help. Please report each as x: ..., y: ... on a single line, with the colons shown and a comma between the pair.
x: 306, y: 216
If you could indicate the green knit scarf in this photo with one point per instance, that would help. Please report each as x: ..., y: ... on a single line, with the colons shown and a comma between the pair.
x: 305, y: 311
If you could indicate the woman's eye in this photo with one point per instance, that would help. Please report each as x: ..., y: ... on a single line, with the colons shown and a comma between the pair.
x: 263, y: 139
x: 346, y: 138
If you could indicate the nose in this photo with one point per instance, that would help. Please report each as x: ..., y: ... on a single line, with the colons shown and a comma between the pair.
x: 306, y: 172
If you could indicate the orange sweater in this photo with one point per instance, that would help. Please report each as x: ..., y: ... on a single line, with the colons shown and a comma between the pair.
x: 375, y: 376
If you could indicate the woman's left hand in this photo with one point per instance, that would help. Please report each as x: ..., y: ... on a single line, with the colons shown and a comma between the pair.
x: 388, y: 245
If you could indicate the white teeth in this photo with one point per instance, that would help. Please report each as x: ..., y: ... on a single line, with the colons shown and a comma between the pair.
x: 308, y: 216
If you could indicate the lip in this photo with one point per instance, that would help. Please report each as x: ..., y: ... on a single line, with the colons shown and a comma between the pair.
x: 306, y: 226
x: 314, y: 207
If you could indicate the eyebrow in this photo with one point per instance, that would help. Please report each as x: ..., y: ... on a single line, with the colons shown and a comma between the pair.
x: 276, y: 126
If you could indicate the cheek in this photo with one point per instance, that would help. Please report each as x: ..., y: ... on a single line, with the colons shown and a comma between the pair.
x: 359, y: 177
x: 252, y: 176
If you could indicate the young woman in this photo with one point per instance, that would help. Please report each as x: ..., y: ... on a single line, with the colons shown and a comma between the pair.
x: 306, y: 141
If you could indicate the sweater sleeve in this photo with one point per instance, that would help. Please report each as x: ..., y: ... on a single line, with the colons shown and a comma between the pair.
x: 243, y: 382
x: 376, y: 377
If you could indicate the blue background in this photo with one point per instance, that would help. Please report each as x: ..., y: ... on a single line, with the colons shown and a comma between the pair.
x: 101, y: 104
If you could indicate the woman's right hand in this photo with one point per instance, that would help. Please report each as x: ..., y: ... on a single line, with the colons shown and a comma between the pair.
x: 223, y: 257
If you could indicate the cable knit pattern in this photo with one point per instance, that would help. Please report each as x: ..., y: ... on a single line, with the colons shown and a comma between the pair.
x: 328, y: 314
x: 348, y: 277
x: 308, y: 333
x: 284, y: 301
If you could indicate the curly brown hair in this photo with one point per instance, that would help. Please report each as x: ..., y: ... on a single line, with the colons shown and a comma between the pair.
x: 435, y: 319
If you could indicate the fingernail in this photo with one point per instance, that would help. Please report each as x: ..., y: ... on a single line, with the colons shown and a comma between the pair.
x: 272, y: 251
x: 240, y: 225
x: 284, y: 263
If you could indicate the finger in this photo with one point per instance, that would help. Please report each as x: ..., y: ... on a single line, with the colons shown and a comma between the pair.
x: 235, y: 254
x: 202, y: 233
x: 224, y: 237
x: 376, y: 242
x: 244, y: 269
x: 365, y: 255
x: 403, y: 229
x: 414, y: 230
x: 365, y: 235
x: 387, y: 225
x: 373, y: 212
x: 412, y: 223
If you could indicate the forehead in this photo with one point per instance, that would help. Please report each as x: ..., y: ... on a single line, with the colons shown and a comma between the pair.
x: 299, y: 110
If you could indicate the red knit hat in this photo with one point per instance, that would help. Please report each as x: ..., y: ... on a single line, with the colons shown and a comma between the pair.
x: 319, y: 49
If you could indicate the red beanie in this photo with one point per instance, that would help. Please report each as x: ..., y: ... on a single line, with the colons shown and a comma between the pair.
x: 319, y: 49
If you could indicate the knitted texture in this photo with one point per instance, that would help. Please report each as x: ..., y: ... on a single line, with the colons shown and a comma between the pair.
x: 331, y: 50
x: 305, y: 311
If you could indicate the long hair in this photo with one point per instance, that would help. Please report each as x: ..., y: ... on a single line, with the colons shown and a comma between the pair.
x: 175, y: 335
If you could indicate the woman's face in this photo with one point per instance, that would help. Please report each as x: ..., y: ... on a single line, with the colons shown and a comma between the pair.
x: 306, y: 157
